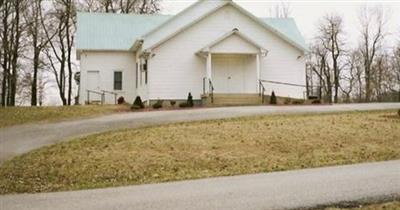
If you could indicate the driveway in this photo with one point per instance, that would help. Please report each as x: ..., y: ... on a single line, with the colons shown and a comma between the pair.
x: 21, y: 139
x: 277, y: 190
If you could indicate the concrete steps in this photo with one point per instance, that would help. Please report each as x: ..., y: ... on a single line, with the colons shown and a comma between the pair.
x: 222, y: 99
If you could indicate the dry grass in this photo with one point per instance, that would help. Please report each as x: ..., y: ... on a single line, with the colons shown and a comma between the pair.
x: 19, y: 115
x: 394, y: 205
x: 205, y: 149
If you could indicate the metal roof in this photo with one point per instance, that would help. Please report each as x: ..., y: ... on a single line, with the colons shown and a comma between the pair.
x: 288, y: 27
x: 108, y: 31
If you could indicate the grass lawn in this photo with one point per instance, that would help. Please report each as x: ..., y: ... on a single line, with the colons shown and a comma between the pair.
x: 19, y: 115
x: 205, y: 149
x: 394, y: 205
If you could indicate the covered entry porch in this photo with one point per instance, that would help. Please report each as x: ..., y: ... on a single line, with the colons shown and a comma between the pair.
x: 233, y: 70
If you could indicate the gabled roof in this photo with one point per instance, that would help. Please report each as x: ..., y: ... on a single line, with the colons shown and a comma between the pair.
x: 106, y: 31
x: 229, y: 34
x: 118, y: 32
x: 299, y: 44
x: 288, y: 27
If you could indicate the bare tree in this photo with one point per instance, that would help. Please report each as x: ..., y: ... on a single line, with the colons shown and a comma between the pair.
x: 351, y: 75
x: 122, y: 6
x: 395, y: 64
x: 59, y: 54
x: 382, y: 80
x: 38, y: 41
x: 280, y: 10
x: 320, y: 67
x: 11, y: 48
x: 372, y: 35
x: 331, y: 36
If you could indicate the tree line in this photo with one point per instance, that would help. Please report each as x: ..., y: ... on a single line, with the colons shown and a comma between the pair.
x: 368, y: 71
x: 37, y: 39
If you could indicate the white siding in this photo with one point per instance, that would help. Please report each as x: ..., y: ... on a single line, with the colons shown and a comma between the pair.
x: 184, y: 18
x: 106, y: 63
x: 234, y: 44
x: 176, y: 69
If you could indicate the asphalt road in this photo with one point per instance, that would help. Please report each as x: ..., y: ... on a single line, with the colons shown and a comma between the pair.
x: 278, y: 190
x: 21, y: 139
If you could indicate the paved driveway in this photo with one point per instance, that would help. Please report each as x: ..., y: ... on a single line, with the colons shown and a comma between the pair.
x: 20, y: 139
x: 278, y: 190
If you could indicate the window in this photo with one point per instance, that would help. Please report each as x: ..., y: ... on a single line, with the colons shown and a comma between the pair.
x: 117, y: 80
x: 143, y: 71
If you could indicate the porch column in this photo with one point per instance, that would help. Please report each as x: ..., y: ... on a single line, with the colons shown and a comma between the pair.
x: 209, y: 73
x: 258, y: 71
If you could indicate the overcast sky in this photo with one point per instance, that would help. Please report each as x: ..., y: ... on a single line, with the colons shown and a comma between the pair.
x: 307, y: 13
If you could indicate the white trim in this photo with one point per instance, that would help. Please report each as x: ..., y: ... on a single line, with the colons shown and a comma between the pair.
x: 258, y: 20
x: 169, y: 20
x: 235, y: 31
x: 183, y: 28
x: 209, y: 66
x: 245, y: 12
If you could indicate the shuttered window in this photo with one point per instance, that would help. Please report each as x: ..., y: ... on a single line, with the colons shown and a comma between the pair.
x: 117, y: 80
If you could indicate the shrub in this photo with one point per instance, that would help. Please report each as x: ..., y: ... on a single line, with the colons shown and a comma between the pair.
x: 188, y: 103
x: 184, y: 105
x: 190, y: 100
x: 121, y: 100
x: 287, y: 101
x: 172, y: 103
x: 272, y: 100
x: 317, y: 101
x: 158, y: 104
x: 136, y: 107
x: 398, y: 112
x: 298, y: 102
x: 137, y: 104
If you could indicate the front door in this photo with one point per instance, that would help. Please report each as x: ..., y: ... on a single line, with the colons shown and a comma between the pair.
x: 228, y: 73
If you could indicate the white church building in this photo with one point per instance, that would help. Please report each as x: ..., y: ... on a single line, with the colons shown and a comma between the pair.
x: 210, y: 48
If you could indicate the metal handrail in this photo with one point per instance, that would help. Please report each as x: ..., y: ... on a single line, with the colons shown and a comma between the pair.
x: 210, y: 88
x: 95, y: 92
x: 102, y: 94
x: 309, y: 90
x: 113, y: 93
x: 282, y: 83
x: 261, y: 91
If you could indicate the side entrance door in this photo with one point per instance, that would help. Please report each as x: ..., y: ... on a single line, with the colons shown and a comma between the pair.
x: 93, y: 84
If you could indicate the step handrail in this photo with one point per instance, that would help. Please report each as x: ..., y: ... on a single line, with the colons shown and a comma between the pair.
x: 261, y: 91
x: 210, y: 88
x: 112, y: 93
x: 95, y: 92
x: 309, y: 89
x: 102, y: 93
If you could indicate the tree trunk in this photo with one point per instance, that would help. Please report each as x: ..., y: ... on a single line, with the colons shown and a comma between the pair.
x: 34, y: 78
